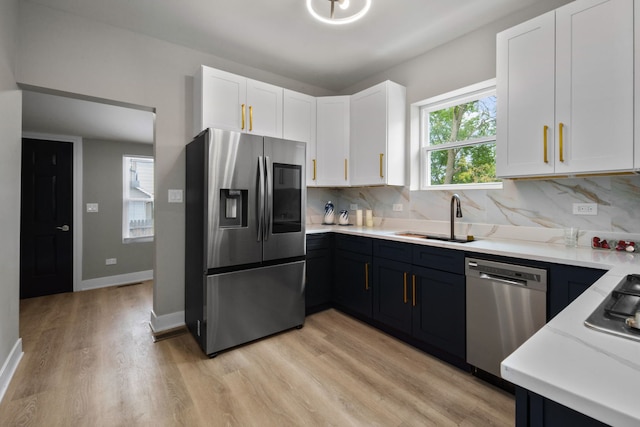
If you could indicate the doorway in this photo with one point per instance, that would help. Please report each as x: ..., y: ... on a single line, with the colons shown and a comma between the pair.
x: 46, y: 219
x: 57, y: 116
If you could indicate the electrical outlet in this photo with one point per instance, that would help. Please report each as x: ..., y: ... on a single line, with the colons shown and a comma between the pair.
x: 585, y: 209
x: 353, y: 206
x: 398, y: 207
x: 111, y: 261
x: 92, y: 207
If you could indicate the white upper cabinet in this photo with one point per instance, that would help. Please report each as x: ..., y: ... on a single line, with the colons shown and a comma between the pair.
x: 565, y: 91
x: 377, y: 137
x: 299, y: 124
x: 227, y: 101
x: 332, y: 143
x: 525, y: 87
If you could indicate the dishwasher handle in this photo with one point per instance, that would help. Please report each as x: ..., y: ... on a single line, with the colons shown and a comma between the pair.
x: 499, y: 279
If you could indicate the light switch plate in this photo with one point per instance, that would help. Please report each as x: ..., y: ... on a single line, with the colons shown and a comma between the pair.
x: 92, y: 207
x: 175, y: 196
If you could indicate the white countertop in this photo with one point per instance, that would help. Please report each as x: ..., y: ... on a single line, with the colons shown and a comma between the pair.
x: 589, y: 371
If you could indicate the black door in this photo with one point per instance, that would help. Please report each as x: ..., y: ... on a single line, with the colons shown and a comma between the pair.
x: 46, y: 226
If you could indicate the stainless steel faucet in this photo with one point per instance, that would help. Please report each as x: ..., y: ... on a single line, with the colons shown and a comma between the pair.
x: 455, y: 198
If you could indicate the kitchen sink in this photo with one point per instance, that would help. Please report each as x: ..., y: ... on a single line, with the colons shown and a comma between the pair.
x: 416, y: 235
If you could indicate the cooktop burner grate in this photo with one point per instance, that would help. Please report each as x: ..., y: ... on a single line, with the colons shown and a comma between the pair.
x: 622, y: 303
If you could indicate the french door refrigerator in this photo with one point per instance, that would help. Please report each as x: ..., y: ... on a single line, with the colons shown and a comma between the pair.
x: 245, y: 237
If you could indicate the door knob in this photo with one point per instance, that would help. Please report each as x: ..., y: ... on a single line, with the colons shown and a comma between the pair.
x: 63, y: 228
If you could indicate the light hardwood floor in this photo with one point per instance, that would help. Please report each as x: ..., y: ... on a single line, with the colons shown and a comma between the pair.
x: 89, y: 360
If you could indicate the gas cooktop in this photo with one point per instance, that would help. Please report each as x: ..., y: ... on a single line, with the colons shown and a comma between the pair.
x: 616, y: 314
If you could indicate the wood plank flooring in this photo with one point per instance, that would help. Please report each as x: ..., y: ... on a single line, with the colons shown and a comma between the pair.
x: 90, y: 361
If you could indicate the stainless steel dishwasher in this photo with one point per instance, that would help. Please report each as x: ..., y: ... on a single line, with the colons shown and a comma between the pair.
x: 506, y: 304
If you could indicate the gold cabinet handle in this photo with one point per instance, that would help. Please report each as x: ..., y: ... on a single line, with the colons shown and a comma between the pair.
x: 345, y: 169
x: 314, y: 169
x: 545, y: 132
x: 561, y: 142
x: 243, y: 116
x: 366, y: 276
x: 381, y: 162
x: 413, y: 290
x: 405, y: 287
x: 251, y: 118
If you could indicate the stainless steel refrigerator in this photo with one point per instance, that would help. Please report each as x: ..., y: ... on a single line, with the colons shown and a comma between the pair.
x: 245, y: 237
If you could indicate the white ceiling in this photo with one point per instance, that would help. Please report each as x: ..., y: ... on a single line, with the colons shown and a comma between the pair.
x: 281, y: 37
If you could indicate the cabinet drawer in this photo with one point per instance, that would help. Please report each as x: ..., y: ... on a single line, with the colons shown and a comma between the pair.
x: 439, y: 258
x: 362, y: 245
x: 392, y: 250
x: 318, y: 241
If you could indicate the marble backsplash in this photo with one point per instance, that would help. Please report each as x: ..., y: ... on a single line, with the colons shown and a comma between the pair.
x: 535, y: 210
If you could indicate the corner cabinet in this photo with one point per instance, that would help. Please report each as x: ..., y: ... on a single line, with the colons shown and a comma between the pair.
x: 567, y: 283
x: 227, y: 101
x: 319, y: 273
x: 299, y: 124
x: 332, y: 141
x: 377, y: 139
x: 565, y: 91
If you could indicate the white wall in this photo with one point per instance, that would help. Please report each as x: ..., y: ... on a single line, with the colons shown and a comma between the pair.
x: 10, y: 145
x: 64, y: 52
x: 467, y: 60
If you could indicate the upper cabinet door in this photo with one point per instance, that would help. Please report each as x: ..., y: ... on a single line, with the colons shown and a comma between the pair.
x: 263, y: 109
x: 333, y: 141
x: 218, y: 98
x: 525, y: 76
x: 565, y: 91
x: 227, y: 101
x: 299, y: 124
x: 594, y: 86
x: 377, y: 141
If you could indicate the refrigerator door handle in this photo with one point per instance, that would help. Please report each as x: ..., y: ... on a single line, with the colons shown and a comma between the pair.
x: 269, y: 198
x: 260, y: 203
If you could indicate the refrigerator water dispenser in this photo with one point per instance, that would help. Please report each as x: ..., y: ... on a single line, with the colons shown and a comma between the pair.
x: 233, y: 208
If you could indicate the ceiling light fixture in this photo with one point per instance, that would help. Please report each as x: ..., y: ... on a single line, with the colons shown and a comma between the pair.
x: 346, y: 13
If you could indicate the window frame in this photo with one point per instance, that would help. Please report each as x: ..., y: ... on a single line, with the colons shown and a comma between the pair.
x: 459, y: 96
x: 126, y: 161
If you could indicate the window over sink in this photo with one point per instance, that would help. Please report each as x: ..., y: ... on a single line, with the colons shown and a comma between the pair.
x: 457, y: 132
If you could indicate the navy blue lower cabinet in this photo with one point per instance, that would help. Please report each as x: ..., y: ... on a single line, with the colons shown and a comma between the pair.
x: 426, y: 304
x: 533, y: 410
x: 438, y: 302
x: 319, y: 273
x: 392, y: 293
x: 566, y: 283
x: 352, y: 282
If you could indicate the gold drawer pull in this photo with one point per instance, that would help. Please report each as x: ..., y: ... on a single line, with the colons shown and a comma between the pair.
x: 413, y: 290
x: 560, y: 129
x: 405, y: 287
x: 546, y: 130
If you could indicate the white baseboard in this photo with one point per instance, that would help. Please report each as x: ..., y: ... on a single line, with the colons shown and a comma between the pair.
x: 120, y: 279
x: 9, y: 367
x: 166, y: 321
